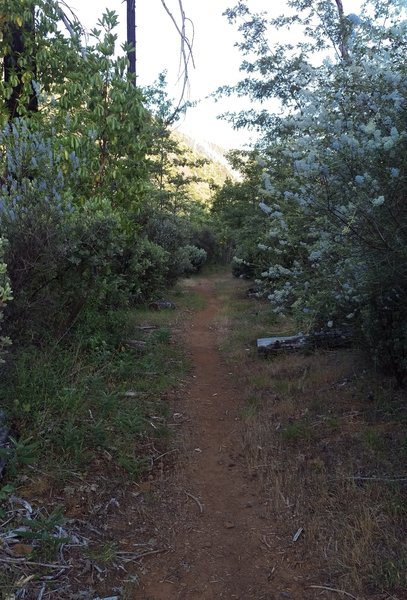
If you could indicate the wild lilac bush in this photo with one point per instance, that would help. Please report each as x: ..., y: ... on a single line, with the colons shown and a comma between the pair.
x: 60, y: 254
x: 55, y: 250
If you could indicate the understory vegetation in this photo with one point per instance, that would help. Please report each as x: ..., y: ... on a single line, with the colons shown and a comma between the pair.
x: 92, y: 418
x: 97, y: 213
x: 326, y: 439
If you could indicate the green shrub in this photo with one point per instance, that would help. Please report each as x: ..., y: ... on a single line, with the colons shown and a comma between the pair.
x: 384, y: 324
x: 61, y: 256
x: 143, y: 268
x: 5, y: 296
x: 191, y: 259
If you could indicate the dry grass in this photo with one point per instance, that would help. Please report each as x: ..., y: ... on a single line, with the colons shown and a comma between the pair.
x: 315, y: 427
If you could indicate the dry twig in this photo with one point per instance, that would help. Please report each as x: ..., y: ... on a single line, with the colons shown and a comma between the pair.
x: 330, y: 589
x: 186, y: 53
x: 136, y: 556
x: 165, y: 454
x: 42, y: 592
x: 22, y: 561
x: 388, y: 479
x: 195, y: 500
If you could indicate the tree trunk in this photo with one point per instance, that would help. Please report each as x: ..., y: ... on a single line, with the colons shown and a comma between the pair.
x: 131, y: 37
x: 11, y: 66
x: 344, y: 42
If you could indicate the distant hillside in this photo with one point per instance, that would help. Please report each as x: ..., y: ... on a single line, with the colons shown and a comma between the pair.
x: 213, y: 174
x: 211, y: 151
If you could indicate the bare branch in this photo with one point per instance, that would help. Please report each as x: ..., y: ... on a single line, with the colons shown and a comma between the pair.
x: 131, y: 39
x: 186, y: 52
x: 330, y: 589
x: 69, y: 24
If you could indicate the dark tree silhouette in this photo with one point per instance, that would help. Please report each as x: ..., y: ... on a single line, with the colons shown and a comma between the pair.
x: 16, y: 36
x: 131, y: 37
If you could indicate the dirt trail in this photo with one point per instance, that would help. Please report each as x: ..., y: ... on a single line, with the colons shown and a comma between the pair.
x: 225, y: 552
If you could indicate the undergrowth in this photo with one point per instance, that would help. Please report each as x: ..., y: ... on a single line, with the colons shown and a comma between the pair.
x: 326, y: 437
x: 93, y: 393
x: 87, y: 413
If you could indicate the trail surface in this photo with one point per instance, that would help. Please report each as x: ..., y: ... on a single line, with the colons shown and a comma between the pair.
x: 218, y: 546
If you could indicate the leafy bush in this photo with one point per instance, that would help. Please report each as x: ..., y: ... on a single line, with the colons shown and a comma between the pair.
x: 191, y: 259
x: 238, y: 223
x: 56, y: 253
x: 205, y: 238
x: 384, y: 324
x: 61, y: 255
x: 333, y: 169
x: 82, y: 219
x: 173, y: 233
x: 144, y: 268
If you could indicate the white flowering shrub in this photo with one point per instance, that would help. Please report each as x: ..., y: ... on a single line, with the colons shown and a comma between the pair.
x: 335, y: 169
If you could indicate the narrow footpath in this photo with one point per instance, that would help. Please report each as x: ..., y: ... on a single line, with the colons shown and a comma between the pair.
x: 217, y: 549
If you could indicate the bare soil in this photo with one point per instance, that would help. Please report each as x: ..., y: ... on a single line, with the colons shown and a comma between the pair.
x: 214, y: 518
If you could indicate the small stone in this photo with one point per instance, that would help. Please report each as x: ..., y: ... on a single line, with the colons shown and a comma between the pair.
x: 229, y: 525
x: 21, y: 549
x: 145, y: 486
x: 207, y: 545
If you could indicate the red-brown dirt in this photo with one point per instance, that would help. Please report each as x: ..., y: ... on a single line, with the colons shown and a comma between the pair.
x: 228, y: 550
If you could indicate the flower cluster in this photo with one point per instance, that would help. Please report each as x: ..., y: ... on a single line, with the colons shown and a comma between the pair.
x: 335, y: 182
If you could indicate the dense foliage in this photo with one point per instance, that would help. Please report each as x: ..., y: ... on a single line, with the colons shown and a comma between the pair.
x: 334, y: 167
x: 93, y: 204
x: 240, y: 226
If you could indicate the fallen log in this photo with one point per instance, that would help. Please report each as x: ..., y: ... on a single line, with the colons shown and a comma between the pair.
x: 287, y: 343
x: 137, y: 344
x: 334, y: 338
